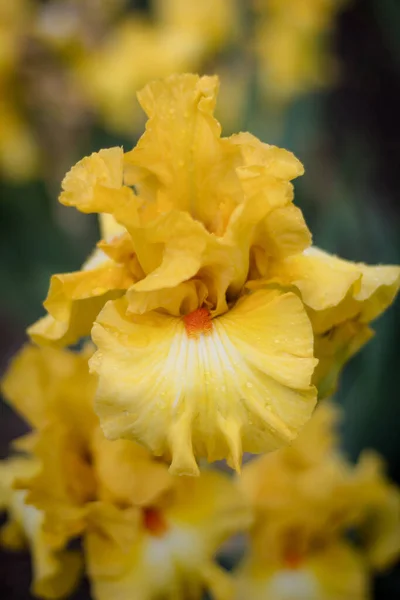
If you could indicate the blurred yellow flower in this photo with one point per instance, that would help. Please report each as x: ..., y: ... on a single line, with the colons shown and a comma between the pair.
x: 14, y: 17
x: 212, y: 22
x: 292, y: 45
x: 19, y: 155
x: 188, y: 364
x: 18, y: 149
x: 179, y: 37
x: 143, y: 530
x: 57, y: 571
x: 307, y: 499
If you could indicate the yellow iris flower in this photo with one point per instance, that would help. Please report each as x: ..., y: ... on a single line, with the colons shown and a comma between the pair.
x: 218, y: 368
x: 204, y: 330
x: 143, y: 530
x: 291, y: 44
x: 307, y: 498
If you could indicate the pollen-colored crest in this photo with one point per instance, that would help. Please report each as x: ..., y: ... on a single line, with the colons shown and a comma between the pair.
x: 154, y: 522
x: 198, y: 322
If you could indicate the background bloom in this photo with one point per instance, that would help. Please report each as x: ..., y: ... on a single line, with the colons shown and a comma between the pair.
x: 313, y: 513
x: 141, y: 528
x: 293, y: 46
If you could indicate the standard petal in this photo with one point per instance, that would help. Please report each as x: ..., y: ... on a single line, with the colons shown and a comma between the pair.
x: 199, y: 173
x: 245, y: 382
x: 96, y: 182
x: 276, y: 162
x: 266, y: 223
x: 174, y: 249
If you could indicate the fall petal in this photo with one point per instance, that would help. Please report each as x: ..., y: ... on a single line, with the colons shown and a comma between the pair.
x: 243, y: 386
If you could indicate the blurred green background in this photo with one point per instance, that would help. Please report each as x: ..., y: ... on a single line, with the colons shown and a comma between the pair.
x: 346, y: 135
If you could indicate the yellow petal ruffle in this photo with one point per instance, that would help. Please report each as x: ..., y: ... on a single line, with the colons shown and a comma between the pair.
x: 199, y: 173
x: 244, y: 386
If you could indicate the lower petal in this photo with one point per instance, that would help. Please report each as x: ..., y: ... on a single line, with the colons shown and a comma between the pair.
x: 244, y: 385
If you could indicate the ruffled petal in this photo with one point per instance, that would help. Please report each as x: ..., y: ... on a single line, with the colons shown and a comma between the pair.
x: 182, y: 149
x: 172, y: 250
x: 244, y: 383
x: 96, y: 182
x: 275, y: 162
x: 266, y: 223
